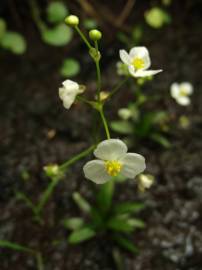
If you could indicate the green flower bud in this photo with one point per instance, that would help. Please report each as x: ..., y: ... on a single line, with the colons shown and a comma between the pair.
x: 95, y: 34
x: 72, y: 20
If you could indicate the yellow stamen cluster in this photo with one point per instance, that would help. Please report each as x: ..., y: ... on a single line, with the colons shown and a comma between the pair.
x: 138, y: 63
x: 183, y: 92
x: 113, y: 167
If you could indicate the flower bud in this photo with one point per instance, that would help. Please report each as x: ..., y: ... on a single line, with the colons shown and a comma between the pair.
x: 72, y: 20
x: 95, y: 34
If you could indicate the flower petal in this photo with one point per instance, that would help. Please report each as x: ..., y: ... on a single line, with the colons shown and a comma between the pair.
x: 94, y: 170
x: 146, y: 73
x: 174, y: 90
x: 124, y: 57
x: 111, y: 149
x: 184, y: 101
x: 187, y: 87
x: 68, y: 101
x: 133, y: 164
x: 139, y: 52
x: 71, y: 85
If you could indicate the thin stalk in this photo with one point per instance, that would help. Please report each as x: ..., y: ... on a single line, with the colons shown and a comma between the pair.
x: 104, y: 123
x: 39, y: 259
x: 46, y: 195
x: 36, y: 16
x: 83, y: 37
x: 118, y: 86
x: 77, y: 157
x: 97, y: 63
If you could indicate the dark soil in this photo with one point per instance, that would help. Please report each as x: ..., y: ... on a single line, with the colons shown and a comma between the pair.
x: 30, y: 110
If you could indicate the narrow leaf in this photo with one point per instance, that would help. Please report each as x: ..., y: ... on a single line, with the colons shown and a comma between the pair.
x: 125, y: 243
x: 128, y: 207
x: 81, y: 202
x: 81, y: 235
x: 73, y: 223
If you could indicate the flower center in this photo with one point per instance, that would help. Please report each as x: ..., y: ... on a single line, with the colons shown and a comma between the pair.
x: 113, y: 167
x: 183, y: 92
x: 138, y: 63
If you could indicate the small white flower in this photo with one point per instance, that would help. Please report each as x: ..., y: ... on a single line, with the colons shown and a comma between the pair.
x: 68, y: 92
x: 145, y: 181
x: 113, y: 159
x: 181, y: 92
x: 138, y: 62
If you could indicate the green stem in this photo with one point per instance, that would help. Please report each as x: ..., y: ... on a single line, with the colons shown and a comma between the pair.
x: 39, y: 259
x: 118, y: 86
x: 36, y: 16
x: 104, y: 122
x: 77, y: 157
x: 97, y: 63
x: 46, y: 195
x: 83, y: 37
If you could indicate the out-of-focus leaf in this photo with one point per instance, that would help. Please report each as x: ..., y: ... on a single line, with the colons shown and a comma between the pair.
x: 70, y: 68
x: 122, y: 127
x: 56, y: 12
x: 157, y: 17
x: 2, y: 27
x: 104, y: 197
x: 73, y: 223
x: 137, y: 34
x: 128, y: 207
x: 14, y: 42
x: 160, y: 117
x: 81, y: 235
x: 81, y: 202
x: 136, y: 223
x: 14, y: 246
x: 125, y: 243
x: 157, y: 137
x: 120, y: 224
x: 90, y: 24
x: 59, y: 35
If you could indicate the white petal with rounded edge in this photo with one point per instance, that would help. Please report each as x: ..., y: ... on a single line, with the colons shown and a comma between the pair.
x: 184, y: 101
x: 68, y: 101
x: 139, y: 52
x: 174, y: 90
x: 146, y: 73
x: 71, y: 85
x: 187, y: 87
x: 124, y: 57
x: 94, y: 170
x: 111, y: 149
x: 133, y: 164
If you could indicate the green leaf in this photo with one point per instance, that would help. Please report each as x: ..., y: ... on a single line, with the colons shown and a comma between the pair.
x: 56, y: 12
x: 136, y: 223
x: 81, y: 235
x: 128, y: 207
x: 70, y: 68
x: 125, y: 243
x: 157, y: 17
x: 14, y: 42
x: 59, y: 35
x: 157, y: 137
x: 122, y: 127
x: 137, y: 34
x: 105, y: 195
x: 120, y: 224
x: 73, y: 223
x: 90, y: 24
x: 81, y: 202
x: 2, y: 28
x: 14, y: 246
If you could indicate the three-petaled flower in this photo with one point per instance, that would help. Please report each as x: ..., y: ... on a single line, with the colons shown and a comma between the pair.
x: 113, y: 160
x: 138, y: 62
x: 68, y: 92
x: 181, y: 92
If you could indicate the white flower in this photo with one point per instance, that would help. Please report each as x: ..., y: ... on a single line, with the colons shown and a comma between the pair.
x: 113, y: 159
x: 68, y: 92
x: 145, y: 181
x: 138, y: 62
x: 181, y: 92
